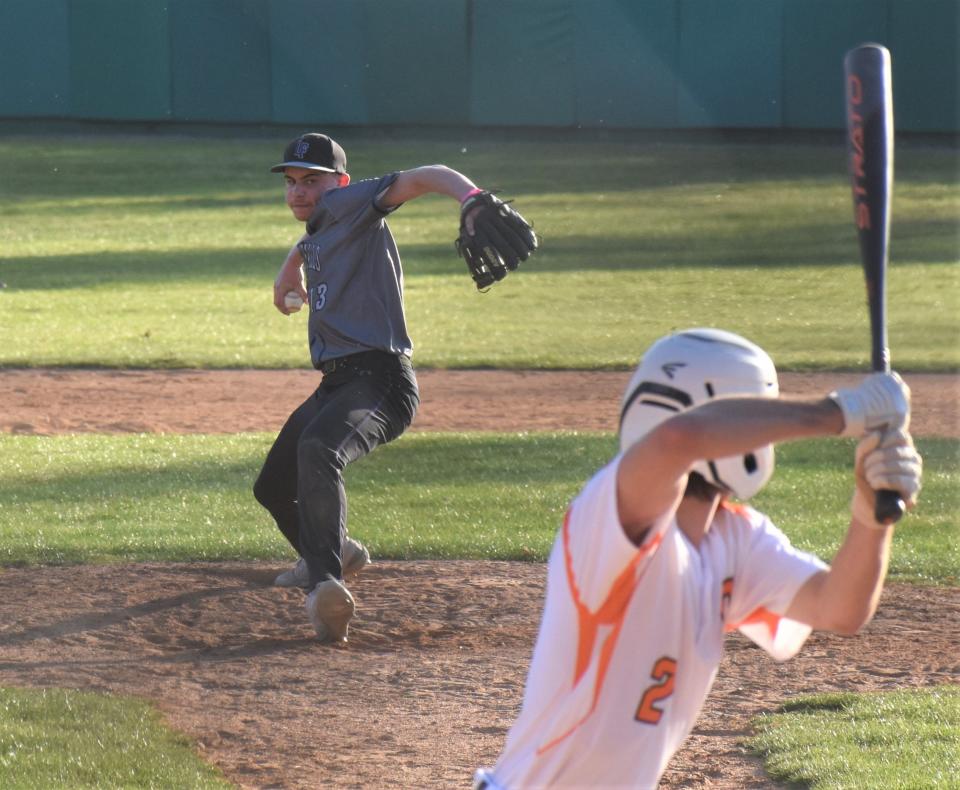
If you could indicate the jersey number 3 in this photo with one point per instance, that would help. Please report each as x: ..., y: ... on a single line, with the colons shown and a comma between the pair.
x: 663, y: 672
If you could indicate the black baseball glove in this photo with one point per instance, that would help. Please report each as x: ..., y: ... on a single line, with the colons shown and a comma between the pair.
x: 501, y: 239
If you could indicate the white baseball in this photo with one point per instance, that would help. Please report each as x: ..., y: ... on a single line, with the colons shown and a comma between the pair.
x: 292, y: 301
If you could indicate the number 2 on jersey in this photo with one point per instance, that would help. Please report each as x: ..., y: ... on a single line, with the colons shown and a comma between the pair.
x: 664, y: 671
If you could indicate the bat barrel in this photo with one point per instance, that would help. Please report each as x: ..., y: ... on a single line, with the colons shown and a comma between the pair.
x: 869, y: 100
x: 870, y: 156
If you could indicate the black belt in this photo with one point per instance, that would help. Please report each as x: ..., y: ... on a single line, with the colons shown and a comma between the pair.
x: 350, y: 360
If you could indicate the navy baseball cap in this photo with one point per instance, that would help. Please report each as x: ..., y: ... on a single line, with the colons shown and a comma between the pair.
x: 313, y: 151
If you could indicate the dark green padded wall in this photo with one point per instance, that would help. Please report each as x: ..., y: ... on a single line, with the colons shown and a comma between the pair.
x: 765, y: 64
x: 730, y: 63
x: 817, y: 34
x: 626, y: 56
x: 119, y: 60
x: 220, y: 51
x: 34, y: 59
x: 924, y: 37
x: 523, y: 65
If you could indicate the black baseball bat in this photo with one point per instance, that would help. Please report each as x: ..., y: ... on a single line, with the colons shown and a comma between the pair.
x: 870, y: 153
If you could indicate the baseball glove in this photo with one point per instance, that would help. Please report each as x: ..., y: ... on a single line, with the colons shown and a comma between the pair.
x: 501, y: 239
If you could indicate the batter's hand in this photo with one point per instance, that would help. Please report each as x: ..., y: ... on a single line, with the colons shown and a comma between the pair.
x: 880, y: 403
x: 885, y: 461
x: 289, y: 279
x: 493, y: 238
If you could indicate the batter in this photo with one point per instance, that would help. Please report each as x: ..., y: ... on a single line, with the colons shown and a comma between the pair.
x: 654, y: 563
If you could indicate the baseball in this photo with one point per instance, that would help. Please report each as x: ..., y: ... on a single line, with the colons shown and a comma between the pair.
x: 292, y: 301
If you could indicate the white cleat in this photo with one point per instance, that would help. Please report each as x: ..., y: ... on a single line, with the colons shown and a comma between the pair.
x: 297, y: 576
x: 354, y: 558
x: 330, y: 608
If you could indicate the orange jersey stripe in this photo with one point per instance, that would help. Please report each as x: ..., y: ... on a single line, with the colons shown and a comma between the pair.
x: 735, y: 507
x: 611, y: 612
x: 759, y: 615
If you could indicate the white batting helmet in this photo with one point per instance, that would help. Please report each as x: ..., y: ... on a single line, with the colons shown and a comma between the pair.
x: 692, y: 367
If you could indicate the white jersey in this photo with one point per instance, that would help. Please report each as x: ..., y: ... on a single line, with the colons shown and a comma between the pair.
x: 631, y: 638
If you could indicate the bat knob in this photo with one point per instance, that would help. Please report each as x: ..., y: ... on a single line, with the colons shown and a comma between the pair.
x: 889, y: 508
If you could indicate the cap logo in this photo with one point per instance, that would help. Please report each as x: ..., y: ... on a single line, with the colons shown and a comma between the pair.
x: 301, y: 150
x: 670, y: 368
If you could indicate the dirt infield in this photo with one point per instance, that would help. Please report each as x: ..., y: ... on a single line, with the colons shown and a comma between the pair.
x: 229, y: 401
x: 434, y: 670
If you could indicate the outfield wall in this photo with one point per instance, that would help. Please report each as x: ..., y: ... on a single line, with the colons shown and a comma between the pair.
x: 773, y: 64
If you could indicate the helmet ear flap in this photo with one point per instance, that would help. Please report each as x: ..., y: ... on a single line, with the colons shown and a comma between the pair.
x: 741, y: 475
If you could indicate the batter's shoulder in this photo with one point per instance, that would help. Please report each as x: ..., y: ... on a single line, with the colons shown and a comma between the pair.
x: 741, y: 515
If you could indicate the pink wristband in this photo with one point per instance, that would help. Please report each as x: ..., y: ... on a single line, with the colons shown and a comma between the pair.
x: 471, y: 193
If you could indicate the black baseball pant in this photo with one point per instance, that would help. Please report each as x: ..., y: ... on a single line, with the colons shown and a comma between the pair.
x: 364, y: 400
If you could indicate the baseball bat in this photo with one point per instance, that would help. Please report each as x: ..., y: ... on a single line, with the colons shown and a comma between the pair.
x: 870, y: 153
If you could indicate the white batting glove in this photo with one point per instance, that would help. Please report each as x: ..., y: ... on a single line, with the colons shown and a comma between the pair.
x: 885, y: 462
x: 880, y: 403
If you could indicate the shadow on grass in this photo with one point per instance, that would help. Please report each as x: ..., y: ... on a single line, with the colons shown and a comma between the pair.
x: 802, y: 245
x: 173, y: 478
x: 473, y: 462
x: 822, y: 702
x: 468, y: 461
x: 145, y: 161
x: 151, y: 205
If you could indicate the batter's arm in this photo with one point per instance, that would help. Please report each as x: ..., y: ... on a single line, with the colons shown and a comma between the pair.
x: 844, y: 598
x: 653, y: 472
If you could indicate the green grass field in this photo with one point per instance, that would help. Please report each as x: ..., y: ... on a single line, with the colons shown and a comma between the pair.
x: 159, y: 250
x: 868, y: 741
x: 71, y: 739
x: 88, y: 498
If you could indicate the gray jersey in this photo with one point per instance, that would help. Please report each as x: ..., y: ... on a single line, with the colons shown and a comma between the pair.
x: 353, y: 275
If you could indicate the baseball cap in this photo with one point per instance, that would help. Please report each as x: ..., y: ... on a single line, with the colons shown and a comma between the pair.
x: 313, y: 151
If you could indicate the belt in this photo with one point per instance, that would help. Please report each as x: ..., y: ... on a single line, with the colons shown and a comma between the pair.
x: 338, y: 363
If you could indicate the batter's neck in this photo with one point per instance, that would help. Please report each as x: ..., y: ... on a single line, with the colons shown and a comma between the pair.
x: 695, y: 515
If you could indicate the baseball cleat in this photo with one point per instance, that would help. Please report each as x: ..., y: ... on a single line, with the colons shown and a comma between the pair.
x: 355, y: 558
x: 330, y: 607
x: 297, y: 576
